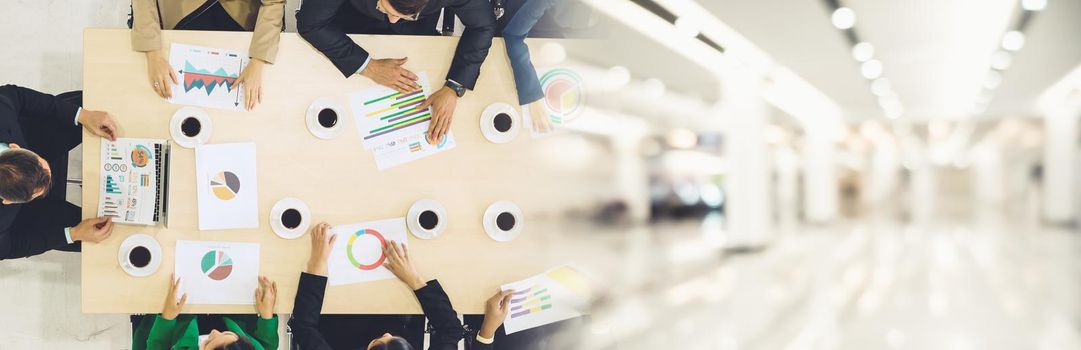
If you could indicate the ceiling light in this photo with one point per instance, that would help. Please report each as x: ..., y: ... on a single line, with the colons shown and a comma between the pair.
x: 1013, y: 40
x: 994, y: 79
x: 871, y: 69
x: 1001, y: 60
x: 1033, y: 5
x: 843, y: 18
x: 888, y: 103
x: 881, y: 87
x: 863, y: 51
x: 653, y: 87
x: 687, y: 27
x: 619, y: 75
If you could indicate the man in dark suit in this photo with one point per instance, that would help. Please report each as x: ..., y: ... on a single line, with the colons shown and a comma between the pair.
x: 443, y: 324
x: 36, y: 132
x: 325, y: 23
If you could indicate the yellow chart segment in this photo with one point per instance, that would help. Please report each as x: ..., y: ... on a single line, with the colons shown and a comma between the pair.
x: 225, y: 185
x: 572, y: 280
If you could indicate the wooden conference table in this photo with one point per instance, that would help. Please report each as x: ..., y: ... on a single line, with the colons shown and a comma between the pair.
x: 336, y: 178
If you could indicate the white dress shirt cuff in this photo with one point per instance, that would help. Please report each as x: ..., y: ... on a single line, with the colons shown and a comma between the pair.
x: 484, y: 340
x: 67, y: 235
x: 77, y: 113
x: 369, y: 59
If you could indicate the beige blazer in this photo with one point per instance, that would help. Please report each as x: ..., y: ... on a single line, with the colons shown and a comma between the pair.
x: 263, y: 17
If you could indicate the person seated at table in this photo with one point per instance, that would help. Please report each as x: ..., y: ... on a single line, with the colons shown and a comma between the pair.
x: 263, y: 17
x: 171, y: 330
x: 445, y: 328
x: 567, y: 17
x: 325, y: 23
x: 36, y: 132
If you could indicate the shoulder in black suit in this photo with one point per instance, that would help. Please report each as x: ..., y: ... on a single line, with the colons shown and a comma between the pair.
x: 44, y: 124
x: 324, y: 25
x: 445, y: 328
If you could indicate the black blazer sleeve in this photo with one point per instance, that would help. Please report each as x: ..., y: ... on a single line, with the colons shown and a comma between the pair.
x: 20, y: 103
x: 315, y: 23
x: 307, y: 307
x: 446, y: 329
x: 479, y: 20
x: 26, y: 242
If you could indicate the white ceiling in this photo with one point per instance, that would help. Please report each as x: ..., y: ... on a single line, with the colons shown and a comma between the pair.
x: 936, y: 53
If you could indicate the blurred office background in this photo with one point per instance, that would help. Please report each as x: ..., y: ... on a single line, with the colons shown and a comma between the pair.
x: 831, y: 174
x: 767, y: 174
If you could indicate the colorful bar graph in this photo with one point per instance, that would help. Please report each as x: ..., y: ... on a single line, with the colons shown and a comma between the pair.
x: 528, y: 301
x: 399, y: 125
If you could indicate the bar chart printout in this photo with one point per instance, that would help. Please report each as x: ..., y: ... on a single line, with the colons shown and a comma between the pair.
x: 555, y: 295
x: 207, y: 77
x: 393, y: 127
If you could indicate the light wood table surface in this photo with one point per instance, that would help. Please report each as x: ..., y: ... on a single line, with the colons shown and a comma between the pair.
x: 337, y: 178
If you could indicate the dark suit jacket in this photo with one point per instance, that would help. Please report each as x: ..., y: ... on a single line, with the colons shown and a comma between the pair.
x: 46, y: 125
x: 316, y: 23
x: 445, y: 328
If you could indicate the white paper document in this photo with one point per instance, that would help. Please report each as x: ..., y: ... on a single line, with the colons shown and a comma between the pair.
x: 391, y: 125
x: 226, y: 186
x: 357, y: 254
x: 217, y: 272
x: 207, y: 77
x: 558, y: 294
x: 130, y: 180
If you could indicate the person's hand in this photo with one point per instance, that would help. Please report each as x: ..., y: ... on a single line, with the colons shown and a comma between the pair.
x: 266, y: 295
x: 98, y: 123
x: 443, y: 103
x: 539, y: 115
x: 160, y: 73
x: 252, y: 81
x: 93, y: 230
x: 172, y: 306
x: 322, y: 243
x: 389, y: 72
x: 399, y: 263
x: 495, y: 312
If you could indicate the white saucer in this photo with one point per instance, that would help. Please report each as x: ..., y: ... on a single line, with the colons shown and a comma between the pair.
x: 207, y: 128
x: 144, y: 240
x: 493, y: 230
x: 412, y: 219
x: 312, y: 119
x: 276, y: 213
x: 487, y: 125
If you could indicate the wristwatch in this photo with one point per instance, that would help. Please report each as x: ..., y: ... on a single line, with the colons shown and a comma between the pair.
x: 458, y: 88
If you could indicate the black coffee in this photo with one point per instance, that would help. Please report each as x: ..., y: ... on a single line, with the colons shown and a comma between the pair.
x: 291, y: 219
x: 328, y: 117
x: 428, y: 220
x: 191, y: 127
x: 139, y: 256
x: 505, y: 221
x: 502, y: 122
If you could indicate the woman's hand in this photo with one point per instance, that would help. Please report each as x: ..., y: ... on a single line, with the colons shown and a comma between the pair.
x: 321, y: 247
x: 160, y: 73
x: 172, y: 306
x: 495, y: 312
x: 539, y: 115
x: 399, y: 263
x: 252, y: 81
x: 266, y: 295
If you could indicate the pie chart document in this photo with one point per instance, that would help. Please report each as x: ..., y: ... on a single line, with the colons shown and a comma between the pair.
x: 217, y: 272
x: 357, y: 255
x: 226, y: 186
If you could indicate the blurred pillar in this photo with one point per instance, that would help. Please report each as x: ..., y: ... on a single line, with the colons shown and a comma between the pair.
x: 819, y: 176
x: 1059, y: 165
x: 746, y: 186
x: 632, y: 178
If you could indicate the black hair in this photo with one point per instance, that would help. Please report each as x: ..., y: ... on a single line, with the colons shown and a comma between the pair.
x: 395, y: 343
x: 21, y: 174
x: 242, y: 343
x: 408, y: 7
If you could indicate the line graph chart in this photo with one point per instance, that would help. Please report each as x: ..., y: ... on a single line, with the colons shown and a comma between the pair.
x: 208, y: 77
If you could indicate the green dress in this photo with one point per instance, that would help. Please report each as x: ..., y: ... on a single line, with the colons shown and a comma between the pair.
x: 183, y: 332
